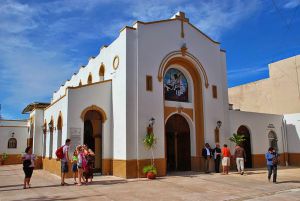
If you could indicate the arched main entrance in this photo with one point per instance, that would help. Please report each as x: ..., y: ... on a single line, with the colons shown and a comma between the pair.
x: 192, y: 69
x: 93, y: 135
x: 178, y: 144
x: 243, y: 130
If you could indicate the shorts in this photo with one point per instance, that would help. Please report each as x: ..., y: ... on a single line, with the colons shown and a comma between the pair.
x: 28, y: 171
x: 74, y: 167
x: 64, y: 167
x: 226, y: 161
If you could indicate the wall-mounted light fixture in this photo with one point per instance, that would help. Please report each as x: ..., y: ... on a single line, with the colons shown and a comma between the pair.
x: 219, y: 124
x: 151, y: 122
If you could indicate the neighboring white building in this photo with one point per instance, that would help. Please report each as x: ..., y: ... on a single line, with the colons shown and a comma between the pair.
x: 167, y: 70
x: 13, y: 135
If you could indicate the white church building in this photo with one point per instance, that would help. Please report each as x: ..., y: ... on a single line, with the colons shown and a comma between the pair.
x: 167, y: 70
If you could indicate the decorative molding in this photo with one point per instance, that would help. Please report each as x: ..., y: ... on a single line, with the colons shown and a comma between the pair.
x: 189, y: 59
x: 116, y: 62
x: 96, y: 108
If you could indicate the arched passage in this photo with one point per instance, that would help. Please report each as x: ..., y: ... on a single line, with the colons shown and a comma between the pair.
x: 273, y: 140
x: 59, y: 130
x: 178, y: 144
x: 51, y: 127
x: 93, y: 123
x: 243, y: 130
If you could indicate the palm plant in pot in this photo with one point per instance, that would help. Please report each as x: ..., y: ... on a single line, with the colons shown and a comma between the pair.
x: 149, y: 143
x: 238, y: 139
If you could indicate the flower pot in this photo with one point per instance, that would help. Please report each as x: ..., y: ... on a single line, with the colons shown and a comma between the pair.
x: 151, y: 175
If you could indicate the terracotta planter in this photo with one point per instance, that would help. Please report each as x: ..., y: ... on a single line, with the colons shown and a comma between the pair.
x: 151, y: 175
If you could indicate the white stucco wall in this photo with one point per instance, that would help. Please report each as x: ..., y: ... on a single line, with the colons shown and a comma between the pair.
x: 153, y: 43
x: 20, y: 130
x: 259, y: 125
x: 53, y: 112
x: 293, y: 132
x: 38, y: 120
x: 84, y: 97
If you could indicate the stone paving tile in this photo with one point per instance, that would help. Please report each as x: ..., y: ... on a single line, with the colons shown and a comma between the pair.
x: 191, y: 186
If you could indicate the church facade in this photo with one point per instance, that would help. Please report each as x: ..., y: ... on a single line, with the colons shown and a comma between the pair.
x: 164, y: 70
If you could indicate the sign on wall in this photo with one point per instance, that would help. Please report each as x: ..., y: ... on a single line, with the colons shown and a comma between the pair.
x: 75, y: 138
x: 175, y: 86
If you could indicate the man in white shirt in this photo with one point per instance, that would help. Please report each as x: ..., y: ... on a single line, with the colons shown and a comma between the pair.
x: 207, y: 155
x: 65, y: 162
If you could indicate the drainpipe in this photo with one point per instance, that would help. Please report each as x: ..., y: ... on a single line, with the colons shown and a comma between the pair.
x: 284, y: 143
x: 137, y: 104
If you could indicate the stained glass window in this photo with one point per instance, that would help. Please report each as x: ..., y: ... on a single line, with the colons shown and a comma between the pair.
x: 175, y: 86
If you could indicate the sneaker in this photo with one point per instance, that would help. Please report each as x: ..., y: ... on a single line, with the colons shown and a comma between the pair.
x: 242, y: 173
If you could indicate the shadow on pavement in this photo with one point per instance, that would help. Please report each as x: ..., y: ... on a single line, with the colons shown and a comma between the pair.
x: 285, y: 182
x: 46, y: 198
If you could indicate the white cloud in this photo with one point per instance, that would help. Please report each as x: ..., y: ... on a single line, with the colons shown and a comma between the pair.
x: 290, y: 4
x: 246, y: 72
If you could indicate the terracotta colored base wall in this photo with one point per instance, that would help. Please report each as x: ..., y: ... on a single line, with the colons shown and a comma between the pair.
x: 198, y: 163
x: 13, y: 159
x: 134, y: 168
x: 54, y: 166
x: 294, y: 159
x: 259, y: 160
x: 107, y: 167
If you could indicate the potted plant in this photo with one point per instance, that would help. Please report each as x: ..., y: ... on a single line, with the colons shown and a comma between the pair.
x: 238, y: 139
x: 150, y: 171
x: 4, y: 157
x: 149, y: 143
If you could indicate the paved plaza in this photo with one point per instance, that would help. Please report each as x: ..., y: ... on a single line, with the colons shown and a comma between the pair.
x: 179, y: 186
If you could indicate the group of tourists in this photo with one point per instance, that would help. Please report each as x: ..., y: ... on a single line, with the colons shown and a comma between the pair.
x: 224, y: 155
x: 83, y: 160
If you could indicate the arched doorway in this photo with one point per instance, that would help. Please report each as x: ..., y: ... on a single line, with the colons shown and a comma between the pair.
x: 243, y: 130
x: 93, y: 135
x: 178, y: 144
x: 273, y: 140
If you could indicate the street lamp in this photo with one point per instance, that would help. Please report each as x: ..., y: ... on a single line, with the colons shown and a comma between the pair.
x: 219, y: 124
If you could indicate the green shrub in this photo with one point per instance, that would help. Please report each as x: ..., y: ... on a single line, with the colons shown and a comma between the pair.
x: 150, y: 168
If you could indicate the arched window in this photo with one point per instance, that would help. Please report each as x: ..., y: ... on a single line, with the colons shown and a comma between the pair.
x: 12, y: 143
x: 80, y: 83
x: 101, y: 72
x: 273, y: 140
x: 175, y: 86
x: 90, y: 79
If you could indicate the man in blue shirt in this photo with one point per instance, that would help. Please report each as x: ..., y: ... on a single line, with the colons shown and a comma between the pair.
x: 272, y: 161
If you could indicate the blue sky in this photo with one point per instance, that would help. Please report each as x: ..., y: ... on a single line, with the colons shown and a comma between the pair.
x: 42, y: 43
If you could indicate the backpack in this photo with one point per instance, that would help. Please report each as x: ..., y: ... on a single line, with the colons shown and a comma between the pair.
x: 275, y: 160
x: 60, y: 152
